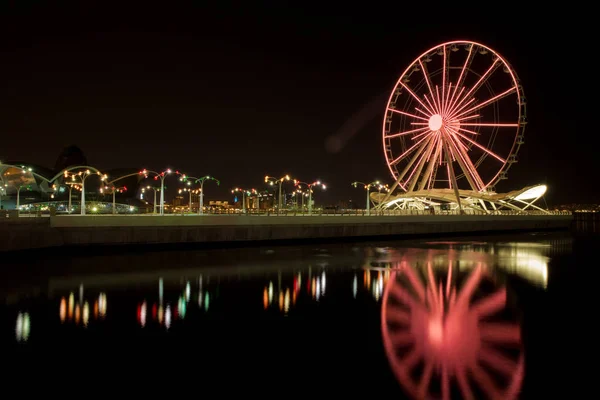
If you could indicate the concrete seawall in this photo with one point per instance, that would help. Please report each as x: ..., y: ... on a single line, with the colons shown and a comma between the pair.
x: 37, y: 233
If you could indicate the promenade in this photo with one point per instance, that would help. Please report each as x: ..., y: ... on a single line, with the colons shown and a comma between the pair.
x: 117, y: 230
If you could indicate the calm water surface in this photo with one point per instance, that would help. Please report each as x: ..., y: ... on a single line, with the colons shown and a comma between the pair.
x: 486, y: 317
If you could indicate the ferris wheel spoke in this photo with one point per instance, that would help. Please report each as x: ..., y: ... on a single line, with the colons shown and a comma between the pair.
x: 485, y: 382
x: 497, y: 361
x: 422, y: 112
x: 412, y: 358
x: 406, y: 132
x: 490, y: 304
x: 463, y: 384
x: 416, y: 97
x: 445, y: 383
x: 432, y: 162
x: 444, y: 71
x: 479, y: 106
x: 410, y: 150
x: 458, y: 156
x: 474, y: 143
x: 416, y: 283
x: 437, y: 94
x: 414, y: 175
x: 407, y: 114
x: 500, y: 332
x: 429, y: 102
x: 447, y: 99
x: 405, y: 171
x: 419, y: 168
x: 461, y: 129
x: 425, y: 379
x: 428, y: 81
x: 464, y: 296
x: 463, y: 151
x: 462, y: 75
x: 402, y: 338
x: 466, y: 118
x: 477, y: 85
x: 431, y: 286
x: 493, y: 125
x: 398, y: 316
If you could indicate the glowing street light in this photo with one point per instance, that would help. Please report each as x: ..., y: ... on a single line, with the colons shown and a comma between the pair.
x: 82, y: 176
x: 367, y: 187
x: 310, y: 186
x: 155, y: 190
x: 159, y: 175
x: 245, y: 192
x: 185, y: 178
x: 271, y: 180
x: 191, y: 191
x: 114, y: 189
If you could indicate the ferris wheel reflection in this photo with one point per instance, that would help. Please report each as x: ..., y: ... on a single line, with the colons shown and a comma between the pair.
x: 448, y: 333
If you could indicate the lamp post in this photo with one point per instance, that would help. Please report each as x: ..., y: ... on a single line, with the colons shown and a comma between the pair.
x: 244, y: 193
x: 114, y: 191
x: 271, y: 180
x: 19, y: 196
x: 201, y: 180
x: 2, y: 189
x: 190, y: 191
x: 310, y: 186
x: 83, y: 175
x: 159, y: 175
x: 155, y: 190
x: 368, y: 187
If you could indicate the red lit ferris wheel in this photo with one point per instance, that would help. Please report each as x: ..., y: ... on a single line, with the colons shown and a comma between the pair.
x: 454, y: 120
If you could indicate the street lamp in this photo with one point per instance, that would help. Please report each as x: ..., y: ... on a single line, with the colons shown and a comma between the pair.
x: 159, y: 175
x: 155, y: 190
x: 191, y: 191
x: 245, y: 192
x: 310, y: 186
x: 367, y: 187
x: 114, y: 191
x: 82, y: 176
x: 19, y: 195
x: 2, y: 189
x: 201, y: 180
x: 271, y: 181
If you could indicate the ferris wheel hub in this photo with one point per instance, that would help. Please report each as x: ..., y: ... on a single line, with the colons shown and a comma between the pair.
x: 436, y: 122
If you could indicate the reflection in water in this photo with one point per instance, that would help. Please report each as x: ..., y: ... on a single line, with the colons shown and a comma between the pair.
x: 164, y: 313
x: 448, y: 335
x: 23, y: 327
x: 287, y: 297
x: 80, y: 312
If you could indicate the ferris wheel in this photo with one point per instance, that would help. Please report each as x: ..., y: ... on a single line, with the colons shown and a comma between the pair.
x: 454, y: 120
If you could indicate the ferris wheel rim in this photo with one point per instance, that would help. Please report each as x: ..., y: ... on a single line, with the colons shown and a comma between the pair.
x: 521, y: 110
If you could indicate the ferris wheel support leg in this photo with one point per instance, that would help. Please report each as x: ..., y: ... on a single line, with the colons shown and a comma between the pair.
x: 452, y: 176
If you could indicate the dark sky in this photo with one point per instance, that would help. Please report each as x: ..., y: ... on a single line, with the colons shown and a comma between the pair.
x: 244, y: 92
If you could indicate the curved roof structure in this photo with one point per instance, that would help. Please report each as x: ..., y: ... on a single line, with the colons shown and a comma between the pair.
x: 517, y: 200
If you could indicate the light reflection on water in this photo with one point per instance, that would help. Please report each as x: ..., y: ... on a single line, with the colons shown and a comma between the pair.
x: 445, y: 325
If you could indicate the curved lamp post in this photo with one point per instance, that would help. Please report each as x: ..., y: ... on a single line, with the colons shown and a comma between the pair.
x: 200, y: 180
x: 271, y: 180
x: 191, y: 192
x: 114, y: 189
x: 159, y: 175
x: 82, y: 176
x: 310, y: 186
x: 367, y: 187
x: 155, y: 190
x: 245, y: 192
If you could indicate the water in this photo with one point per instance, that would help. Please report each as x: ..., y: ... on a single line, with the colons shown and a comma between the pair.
x: 486, y: 316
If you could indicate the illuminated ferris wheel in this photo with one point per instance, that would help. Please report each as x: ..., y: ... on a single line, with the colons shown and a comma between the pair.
x: 454, y: 121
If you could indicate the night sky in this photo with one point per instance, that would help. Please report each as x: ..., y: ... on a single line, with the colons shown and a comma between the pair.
x: 241, y: 93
